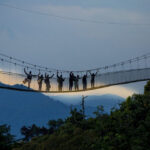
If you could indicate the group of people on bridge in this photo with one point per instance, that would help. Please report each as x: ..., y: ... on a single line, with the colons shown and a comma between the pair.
x: 73, y: 80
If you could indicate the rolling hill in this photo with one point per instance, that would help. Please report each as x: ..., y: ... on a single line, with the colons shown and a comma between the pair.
x: 25, y: 108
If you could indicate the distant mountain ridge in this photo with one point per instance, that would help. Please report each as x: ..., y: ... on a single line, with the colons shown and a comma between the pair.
x: 106, y: 100
x: 93, y: 100
x: 25, y: 108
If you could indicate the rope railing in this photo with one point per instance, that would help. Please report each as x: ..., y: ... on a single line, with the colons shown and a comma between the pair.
x: 24, y: 64
x: 101, y: 81
x: 12, y: 73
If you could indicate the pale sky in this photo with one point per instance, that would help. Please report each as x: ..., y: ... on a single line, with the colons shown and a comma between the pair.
x: 75, y: 45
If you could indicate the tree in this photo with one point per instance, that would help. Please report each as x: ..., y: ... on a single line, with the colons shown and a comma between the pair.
x: 60, y: 122
x: 26, y: 132
x: 32, y: 131
x: 6, y: 139
x: 52, y: 124
x: 76, y: 117
x: 99, y: 112
x: 147, y: 88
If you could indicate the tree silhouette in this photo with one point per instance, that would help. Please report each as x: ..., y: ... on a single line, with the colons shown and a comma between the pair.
x: 6, y: 139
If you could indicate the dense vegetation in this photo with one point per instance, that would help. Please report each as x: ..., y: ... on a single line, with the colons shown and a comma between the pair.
x: 6, y: 139
x: 125, y: 128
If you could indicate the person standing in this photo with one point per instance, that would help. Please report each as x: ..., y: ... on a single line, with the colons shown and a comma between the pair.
x: 60, y: 81
x: 71, y: 79
x: 47, y: 81
x: 76, y: 82
x: 40, y: 81
x: 84, y: 81
x: 93, y: 75
x: 28, y: 78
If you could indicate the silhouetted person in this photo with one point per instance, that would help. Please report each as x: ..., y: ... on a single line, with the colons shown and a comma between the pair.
x: 71, y: 79
x: 60, y: 81
x: 93, y: 75
x: 76, y: 82
x: 28, y: 78
x: 47, y: 81
x: 40, y: 81
x: 84, y: 81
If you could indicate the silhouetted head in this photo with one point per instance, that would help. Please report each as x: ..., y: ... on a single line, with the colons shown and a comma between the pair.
x: 30, y: 72
x: 61, y: 75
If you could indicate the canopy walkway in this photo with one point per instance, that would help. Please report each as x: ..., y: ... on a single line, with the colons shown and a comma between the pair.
x: 12, y: 75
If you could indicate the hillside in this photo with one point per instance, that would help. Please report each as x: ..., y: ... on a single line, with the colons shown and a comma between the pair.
x: 125, y: 127
x: 122, y: 129
x: 25, y: 108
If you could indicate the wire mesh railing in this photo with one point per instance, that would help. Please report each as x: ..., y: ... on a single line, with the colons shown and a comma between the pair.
x: 12, y: 75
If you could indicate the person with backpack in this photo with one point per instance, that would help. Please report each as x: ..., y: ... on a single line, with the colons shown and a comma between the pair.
x: 28, y: 78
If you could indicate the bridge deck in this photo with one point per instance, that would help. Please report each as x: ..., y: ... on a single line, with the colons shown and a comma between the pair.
x: 13, y: 81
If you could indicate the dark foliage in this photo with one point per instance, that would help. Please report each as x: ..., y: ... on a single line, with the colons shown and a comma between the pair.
x: 6, y: 139
x: 125, y: 128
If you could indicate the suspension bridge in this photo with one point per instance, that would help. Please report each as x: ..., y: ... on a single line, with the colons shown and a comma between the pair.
x: 128, y: 71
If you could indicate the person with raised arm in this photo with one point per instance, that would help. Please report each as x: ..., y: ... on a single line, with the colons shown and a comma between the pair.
x: 47, y: 81
x: 28, y: 78
x: 60, y: 81
x: 93, y: 75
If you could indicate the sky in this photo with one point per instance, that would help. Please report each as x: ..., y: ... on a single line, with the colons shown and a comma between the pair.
x: 122, y: 32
